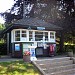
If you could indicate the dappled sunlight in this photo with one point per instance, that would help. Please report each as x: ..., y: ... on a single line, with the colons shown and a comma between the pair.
x: 17, y: 68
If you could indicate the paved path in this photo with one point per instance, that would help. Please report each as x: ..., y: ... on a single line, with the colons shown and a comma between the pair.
x: 8, y: 58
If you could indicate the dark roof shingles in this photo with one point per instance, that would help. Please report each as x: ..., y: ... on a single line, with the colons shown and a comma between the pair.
x: 36, y: 22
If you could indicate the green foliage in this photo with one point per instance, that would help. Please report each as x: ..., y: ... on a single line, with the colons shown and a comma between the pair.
x: 3, y: 49
x: 69, y: 39
x: 2, y: 26
x: 69, y: 48
x: 1, y: 40
x: 17, y: 68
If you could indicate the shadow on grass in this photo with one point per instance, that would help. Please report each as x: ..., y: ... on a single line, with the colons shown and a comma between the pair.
x: 17, y: 68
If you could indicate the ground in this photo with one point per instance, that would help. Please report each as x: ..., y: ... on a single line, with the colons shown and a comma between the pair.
x: 17, y: 68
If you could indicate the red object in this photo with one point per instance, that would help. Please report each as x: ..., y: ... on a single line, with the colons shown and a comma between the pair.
x: 51, y: 48
x: 26, y: 53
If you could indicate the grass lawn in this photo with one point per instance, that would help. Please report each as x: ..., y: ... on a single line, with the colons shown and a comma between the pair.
x: 17, y: 68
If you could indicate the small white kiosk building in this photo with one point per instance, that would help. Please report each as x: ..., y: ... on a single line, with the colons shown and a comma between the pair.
x: 31, y: 32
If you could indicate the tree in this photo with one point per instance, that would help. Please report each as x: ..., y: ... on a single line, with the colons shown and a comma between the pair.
x: 2, y: 26
x: 54, y: 11
x: 58, y: 12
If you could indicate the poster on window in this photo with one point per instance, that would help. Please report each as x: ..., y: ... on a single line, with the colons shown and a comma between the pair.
x: 17, y: 47
x: 33, y: 52
x: 40, y: 44
x: 52, y: 49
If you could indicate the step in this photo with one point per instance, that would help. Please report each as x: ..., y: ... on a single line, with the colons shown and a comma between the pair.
x: 60, y: 68
x: 56, y: 64
x: 66, y: 72
x: 44, y: 61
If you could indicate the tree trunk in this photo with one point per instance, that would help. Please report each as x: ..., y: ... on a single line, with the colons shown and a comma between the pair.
x: 61, y: 42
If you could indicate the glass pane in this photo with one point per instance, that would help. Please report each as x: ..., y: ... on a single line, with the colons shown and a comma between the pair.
x: 46, y: 36
x: 38, y: 36
x: 30, y: 35
x: 17, y: 39
x: 18, y: 31
x: 17, y: 35
x: 38, y: 33
x: 30, y: 32
x: 52, y: 35
x: 23, y: 33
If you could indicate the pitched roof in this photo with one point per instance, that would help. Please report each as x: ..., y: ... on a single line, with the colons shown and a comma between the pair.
x: 34, y: 22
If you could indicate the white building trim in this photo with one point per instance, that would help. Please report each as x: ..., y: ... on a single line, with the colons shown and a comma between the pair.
x: 33, y: 36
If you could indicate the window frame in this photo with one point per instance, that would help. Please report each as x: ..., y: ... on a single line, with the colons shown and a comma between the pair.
x: 17, y: 34
x: 44, y: 34
x: 52, y: 39
x: 52, y: 35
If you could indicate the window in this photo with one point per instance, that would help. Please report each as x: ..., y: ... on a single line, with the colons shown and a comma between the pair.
x: 17, y: 35
x: 20, y: 35
x: 51, y: 35
x: 38, y: 36
x: 30, y: 36
x: 23, y: 35
x: 46, y: 36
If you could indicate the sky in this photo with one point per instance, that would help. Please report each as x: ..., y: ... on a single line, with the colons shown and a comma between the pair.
x: 5, y: 5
